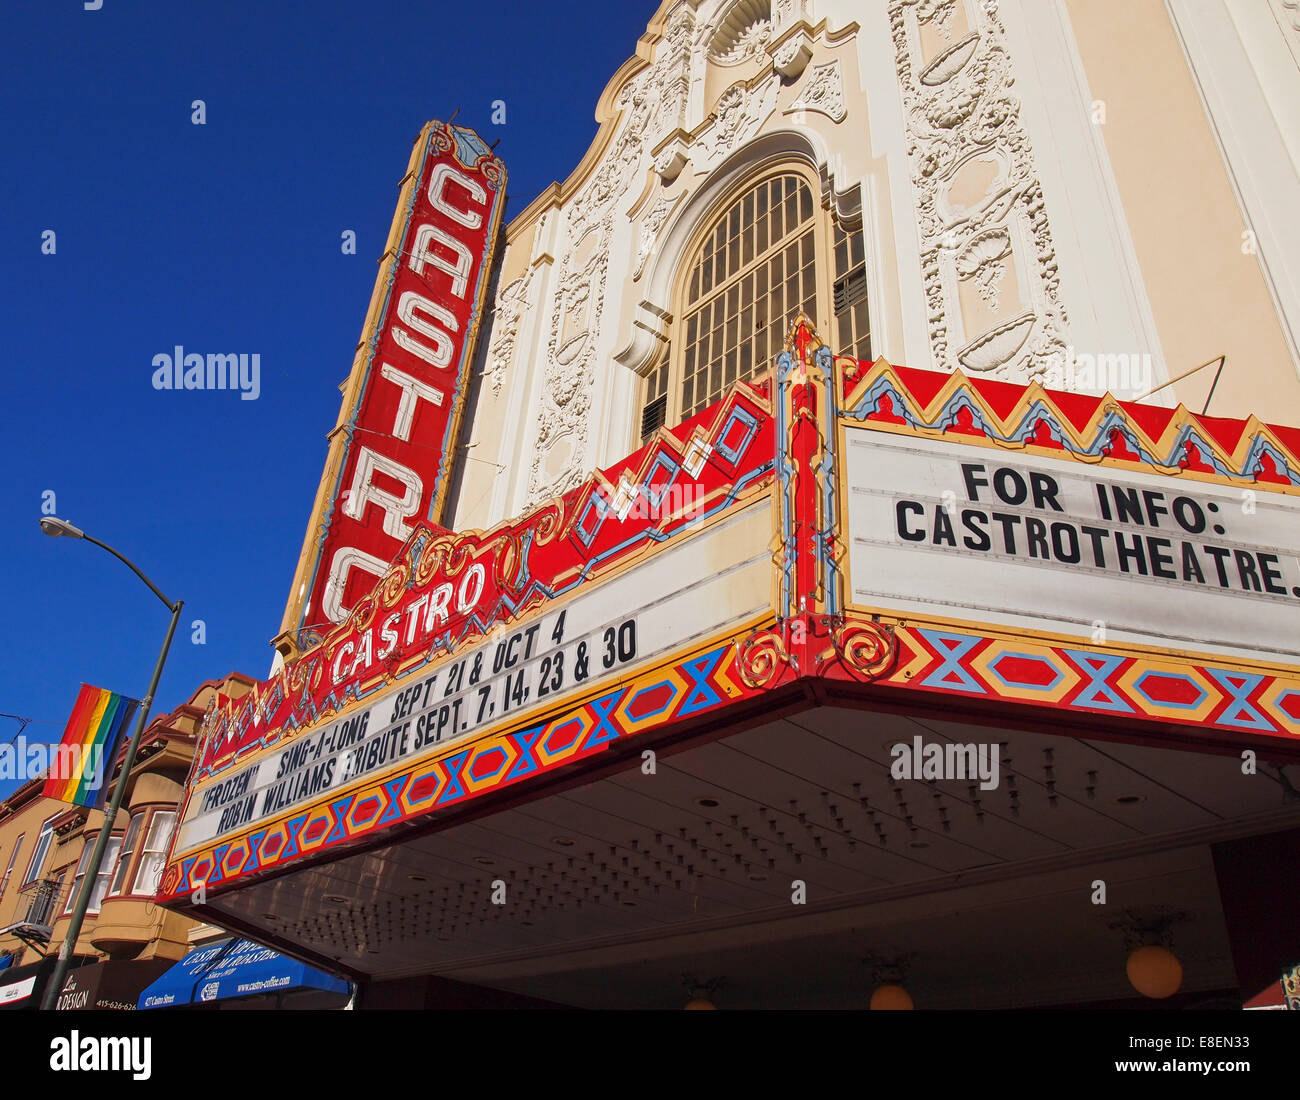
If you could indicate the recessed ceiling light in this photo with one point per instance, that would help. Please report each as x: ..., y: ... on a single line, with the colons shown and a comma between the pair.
x: 337, y: 899
x: 630, y: 904
x: 487, y: 861
x: 562, y: 841
x: 1130, y: 799
x: 418, y: 878
x: 707, y: 803
x: 271, y: 916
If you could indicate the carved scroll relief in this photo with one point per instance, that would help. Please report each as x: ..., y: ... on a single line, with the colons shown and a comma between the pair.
x: 988, y: 260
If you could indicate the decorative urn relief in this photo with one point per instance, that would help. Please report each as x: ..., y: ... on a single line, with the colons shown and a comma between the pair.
x: 949, y: 63
x: 996, y: 346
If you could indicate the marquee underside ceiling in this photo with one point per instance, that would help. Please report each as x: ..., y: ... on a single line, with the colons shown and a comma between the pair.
x: 639, y: 874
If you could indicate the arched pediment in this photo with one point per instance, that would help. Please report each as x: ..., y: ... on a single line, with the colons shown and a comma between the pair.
x: 652, y: 316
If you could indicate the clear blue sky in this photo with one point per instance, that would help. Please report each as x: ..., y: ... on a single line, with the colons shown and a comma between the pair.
x: 222, y: 238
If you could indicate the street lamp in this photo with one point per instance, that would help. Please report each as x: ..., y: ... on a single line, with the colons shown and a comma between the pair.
x: 59, y: 528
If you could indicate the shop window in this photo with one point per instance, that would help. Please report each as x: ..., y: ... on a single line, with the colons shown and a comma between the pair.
x: 155, y: 853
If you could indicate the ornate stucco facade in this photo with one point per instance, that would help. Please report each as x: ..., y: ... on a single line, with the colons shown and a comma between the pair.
x: 1028, y: 196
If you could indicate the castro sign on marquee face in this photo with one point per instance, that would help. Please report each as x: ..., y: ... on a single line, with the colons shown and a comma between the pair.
x: 407, y: 387
x: 974, y: 533
x: 716, y: 580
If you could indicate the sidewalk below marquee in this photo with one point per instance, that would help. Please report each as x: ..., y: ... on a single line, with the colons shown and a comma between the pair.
x: 863, y: 670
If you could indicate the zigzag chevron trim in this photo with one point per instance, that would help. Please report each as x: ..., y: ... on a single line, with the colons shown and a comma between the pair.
x: 1247, y: 452
x: 1095, y: 680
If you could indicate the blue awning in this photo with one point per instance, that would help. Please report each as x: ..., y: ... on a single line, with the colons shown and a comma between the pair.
x: 234, y: 968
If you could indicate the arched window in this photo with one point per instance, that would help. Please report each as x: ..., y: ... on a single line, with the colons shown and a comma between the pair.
x: 771, y: 253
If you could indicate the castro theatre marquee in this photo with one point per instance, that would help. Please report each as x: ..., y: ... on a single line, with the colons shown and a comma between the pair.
x: 855, y: 539
x: 656, y: 638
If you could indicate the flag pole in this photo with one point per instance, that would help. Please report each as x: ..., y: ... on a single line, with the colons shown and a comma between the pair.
x: 69, y: 944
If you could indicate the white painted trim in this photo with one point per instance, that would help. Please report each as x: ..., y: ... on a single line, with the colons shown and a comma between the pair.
x: 1102, y: 285
x: 1226, y: 64
x: 613, y: 404
x: 888, y: 203
x: 520, y: 428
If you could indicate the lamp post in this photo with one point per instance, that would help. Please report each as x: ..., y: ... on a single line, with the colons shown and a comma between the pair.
x: 58, y: 528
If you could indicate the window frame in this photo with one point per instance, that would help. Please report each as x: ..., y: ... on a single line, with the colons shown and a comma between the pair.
x: 686, y: 307
x: 854, y: 267
x: 126, y: 854
x: 161, y: 852
x: 57, y: 876
x: 111, y: 856
x: 34, y: 867
x: 78, y: 873
x: 13, y: 858
x: 105, y: 872
x: 671, y: 357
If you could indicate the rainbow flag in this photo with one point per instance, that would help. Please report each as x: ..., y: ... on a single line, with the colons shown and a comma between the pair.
x: 81, y: 762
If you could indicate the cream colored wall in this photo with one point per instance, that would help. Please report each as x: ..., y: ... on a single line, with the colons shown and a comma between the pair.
x: 1208, y: 296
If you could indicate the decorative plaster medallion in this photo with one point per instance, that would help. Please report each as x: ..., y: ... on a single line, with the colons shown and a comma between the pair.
x: 650, y: 226
x: 511, y: 304
x: 823, y: 92
x: 671, y: 160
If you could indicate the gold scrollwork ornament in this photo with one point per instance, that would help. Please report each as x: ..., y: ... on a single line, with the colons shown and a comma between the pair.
x: 866, y: 649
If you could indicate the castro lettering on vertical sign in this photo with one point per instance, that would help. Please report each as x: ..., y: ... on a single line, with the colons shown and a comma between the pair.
x: 390, y: 455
